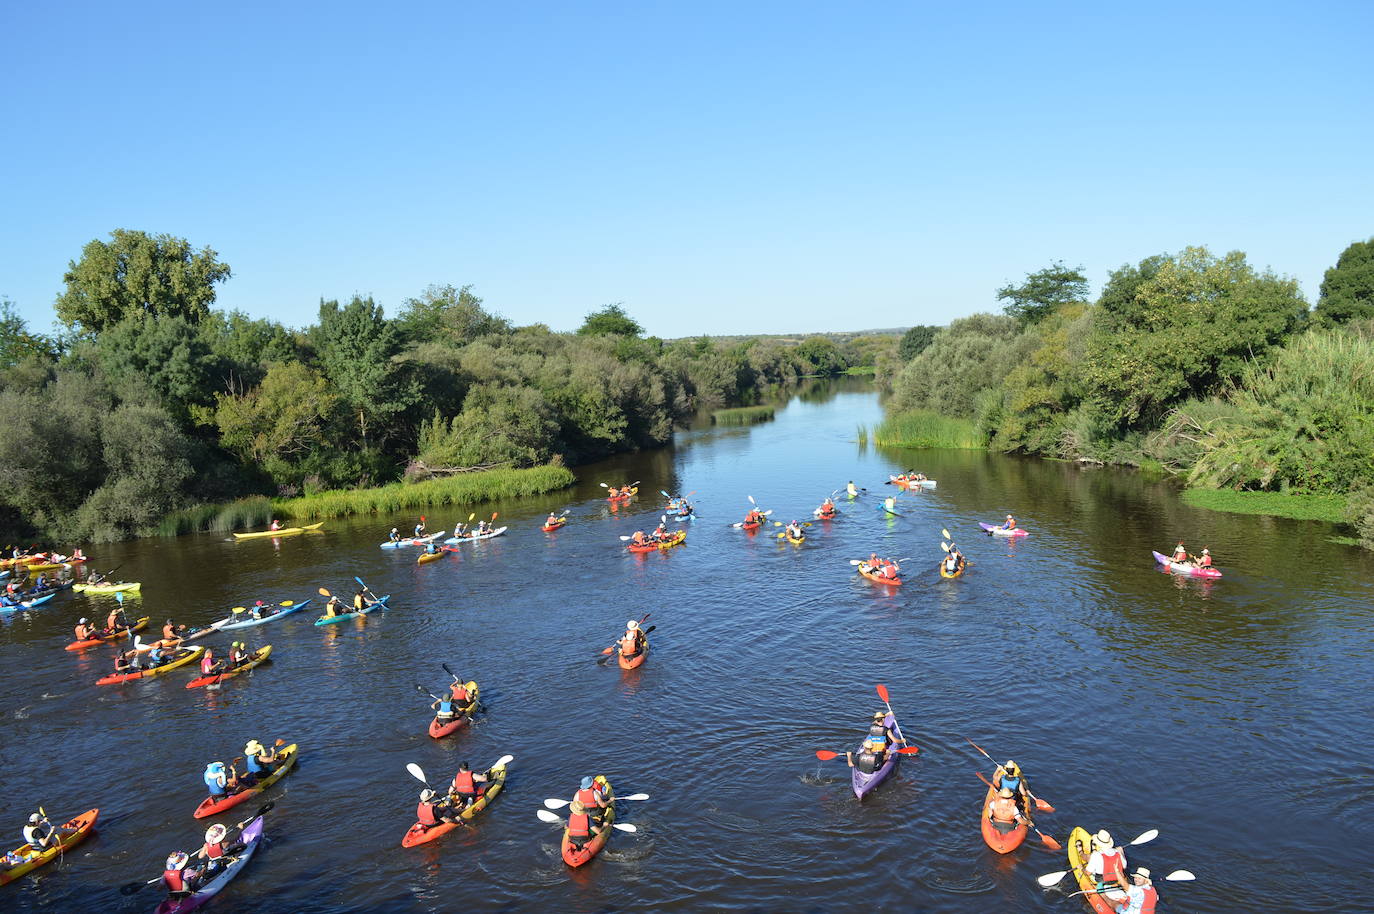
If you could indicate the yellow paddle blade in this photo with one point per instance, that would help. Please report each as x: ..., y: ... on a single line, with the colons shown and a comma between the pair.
x: 239, y: 609
x: 288, y: 602
x: 323, y: 592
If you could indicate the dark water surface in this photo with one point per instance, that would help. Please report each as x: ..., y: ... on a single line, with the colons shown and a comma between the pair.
x: 1234, y: 717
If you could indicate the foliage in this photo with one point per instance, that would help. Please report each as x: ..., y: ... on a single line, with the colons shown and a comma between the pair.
x: 272, y: 425
x: 1043, y: 292
x: 1359, y: 513
x: 611, y: 319
x: 148, y: 462
x: 823, y: 354
x: 244, y: 514
x: 923, y: 428
x: 442, y: 313
x: 1329, y: 508
x: 138, y: 274
x: 967, y: 358
x: 459, y: 490
x: 357, y: 348
x: 499, y: 426
x: 245, y: 346
x: 915, y: 341
x: 1031, y: 411
x: 16, y: 342
x: 742, y: 415
x: 160, y: 360
x: 1347, y: 290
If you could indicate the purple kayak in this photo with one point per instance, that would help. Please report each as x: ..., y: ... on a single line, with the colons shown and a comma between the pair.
x: 1183, y: 568
x: 864, y: 783
x: 251, y: 836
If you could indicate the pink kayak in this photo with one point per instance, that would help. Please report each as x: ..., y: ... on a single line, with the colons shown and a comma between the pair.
x: 1002, y: 531
x: 1184, y: 568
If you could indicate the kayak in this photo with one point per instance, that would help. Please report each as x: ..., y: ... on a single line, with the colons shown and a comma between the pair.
x: 196, y: 634
x: 633, y: 492
x: 1000, y: 531
x: 413, y: 541
x: 229, y: 624
x: 439, y: 729
x: 634, y: 661
x: 797, y: 541
x: 125, y: 586
x: 212, y: 806
x: 426, y: 557
x: 959, y: 569
x: 690, y: 515
x: 186, y: 656
x: 867, y: 571
x: 284, y: 531
x: 673, y: 539
x: 73, y: 832
x: 1003, y: 837
x: 261, y: 655
x: 251, y: 836
x: 138, y: 626
x: 27, y: 604
x: 1080, y: 848
x: 550, y: 527
x: 47, y: 566
x: 821, y: 515
x: 455, y: 540
x: 1184, y: 568
x: 330, y: 620
x: 420, y: 834
x: 882, y: 507
x: 574, y: 856
x: 912, y: 483
x: 864, y: 784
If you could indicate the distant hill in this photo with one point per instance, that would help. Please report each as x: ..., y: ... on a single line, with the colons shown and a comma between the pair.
x: 838, y: 337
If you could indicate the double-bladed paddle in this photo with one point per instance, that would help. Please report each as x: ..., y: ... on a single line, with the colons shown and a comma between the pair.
x: 546, y: 816
x: 1052, y: 879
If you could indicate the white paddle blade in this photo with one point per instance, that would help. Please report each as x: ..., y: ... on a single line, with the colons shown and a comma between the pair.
x: 552, y: 803
x: 626, y: 826
x: 751, y: 500
x: 944, y: 546
x: 635, y: 796
x: 945, y: 533
x: 602, y: 484
x: 417, y: 772
x: 503, y: 760
x: 856, y: 561
x: 546, y: 816
x: 1180, y: 876
x: 1052, y: 879
x: 1147, y: 837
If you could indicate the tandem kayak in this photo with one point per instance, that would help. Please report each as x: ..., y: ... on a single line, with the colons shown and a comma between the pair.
x: 261, y: 655
x: 864, y: 784
x: 138, y: 626
x: 213, y: 806
x: 413, y: 541
x: 867, y: 571
x: 286, y: 608
x: 912, y: 483
x: 26, y: 604
x: 440, y: 728
x: 124, y: 586
x: 796, y: 541
x: 634, y: 660
x: 420, y: 834
x: 633, y: 492
x: 284, y: 531
x: 576, y: 856
x: 995, y: 530
x: 1080, y: 849
x: 70, y: 833
x: 673, y: 539
x: 251, y: 836
x: 1184, y: 567
x: 550, y: 527
x: 455, y: 540
x: 1003, y: 837
x: 356, y: 614
x: 187, y: 655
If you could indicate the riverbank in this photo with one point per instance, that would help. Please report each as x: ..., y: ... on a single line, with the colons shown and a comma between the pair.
x: 1328, y: 508
x: 462, y: 489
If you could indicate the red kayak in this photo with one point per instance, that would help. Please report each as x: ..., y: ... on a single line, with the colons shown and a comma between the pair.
x: 549, y: 528
x: 576, y: 856
x: 439, y: 728
x: 634, y: 660
x: 213, y: 806
x: 1003, y: 837
x: 138, y: 626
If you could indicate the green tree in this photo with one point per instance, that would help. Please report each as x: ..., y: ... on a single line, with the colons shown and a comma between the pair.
x: 1347, y: 291
x: 16, y: 342
x: 276, y: 422
x: 499, y: 426
x: 139, y: 274
x: 611, y: 319
x: 148, y: 470
x: 1043, y: 292
x: 163, y: 356
x: 247, y: 345
x: 358, y: 347
x: 447, y: 314
x: 915, y: 341
x: 967, y: 358
x: 821, y: 355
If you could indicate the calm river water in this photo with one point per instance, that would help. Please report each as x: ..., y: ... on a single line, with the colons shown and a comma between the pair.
x: 1229, y: 716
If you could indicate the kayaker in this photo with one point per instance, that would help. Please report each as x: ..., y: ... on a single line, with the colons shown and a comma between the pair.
x: 221, y: 781
x: 794, y: 530
x: 126, y: 662
x: 631, y: 643
x: 1107, y: 864
x: 753, y: 517
x: 395, y: 535
x: 1010, y: 523
x: 1205, y: 560
x: 827, y: 508
x: 420, y: 528
x: 1141, y: 896
x: 953, y: 560
x: 1011, y: 777
x: 467, y: 785
x: 359, y: 600
x: 431, y: 549
x: 637, y: 538
x: 1003, y: 810
x: 660, y: 532
x: 430, y: 813
x: 172, y: 631
x: 852, y: 490
x: 552, y: 520
x: 881, y: 730
x: 890, y: 504
x: 178, y: 878
x: 259, y: 609
x: 96, y: 577
x: 445, y: 709
x: 483, y: 528
x: 115, y: 620
x: 39, y: 832
x: 331, y: 607
x: 215, y: 849
x: 275, y: 525
x: 592, y: 799
x: 238, y: 654
x: 459, y: 530
x: 85, y: 631
x: 871, y: 755
x: 258, y: 759
x: 209, y: 666
x: 1181, y: 554
x: 459, y: 691
x: 581, y: 828
x: 158, y: 655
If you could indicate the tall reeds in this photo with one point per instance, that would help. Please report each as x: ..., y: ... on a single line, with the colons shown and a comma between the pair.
x: 743, y: 415
x: 922, y: 428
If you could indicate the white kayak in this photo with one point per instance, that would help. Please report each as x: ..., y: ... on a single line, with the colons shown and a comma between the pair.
x: 455, y: 540
x: 413, y: 541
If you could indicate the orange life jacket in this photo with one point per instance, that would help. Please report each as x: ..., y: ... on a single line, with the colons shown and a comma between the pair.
x: 1113, y: 866
x: 214, y: 851
x: 463, y: 783
x: 424, y: 813
x: 1151, y: 899
x: 1205, y: 561
x: 84, y: 632
x: 629, y: 644
x: 588, y: 798
x: 579, y: 825
x: 174, y: 880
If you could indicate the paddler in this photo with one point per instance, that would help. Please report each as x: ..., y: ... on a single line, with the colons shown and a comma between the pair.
x: 1181, y: 554
x: 1009, y: 523
x: 172, y: 632
x: 753, y: 517
x: 459, y: 691
x: 871, y: 755
x: 660, y: 532
x: 178, y: 878
x: 274, y: 526
x: 332, y: 607
x: 1141, y: 896
x: 85, y: 631
x: 215, y: 849
x: 431, y: 549
x: 637, y: 539
x: 890, y: 504
x: 115, y: 620
x: 1003, y: 809
x: 220, y: 781
x: 467, y: 785
x: 420, y: 528
x: 394, y: 536
x: 880, y: 729
x: 581, y: 829
x: 953, y: 560
x: 631, y: 643
x: 431, y: 811
x: 552, y: 520
x: 445, y: 709
x: 852, y: 490
x: 1205, y: 560
x: 1011, y: 777
x: 258, y: 759
x: 39, y: 833
x: 126, y: 662
x: 208, y: 665
x: 1107, y: 865
x: 590, y: 795
x: 238, y: 654
x: 259, y: 610
x: 827, y: 508
x: 483, y: 528
x: 359, y: 600
x: 794, y: 530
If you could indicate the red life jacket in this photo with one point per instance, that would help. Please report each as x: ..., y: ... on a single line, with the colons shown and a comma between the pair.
x: 1206, y: 561
x: 174, y: 880
x: 425, y: 814
x: 579, y: 825
x: 463, y: 783
x: 588, y: 798
x: 1113, y: 866
x: 214, y: 851
x: 460, y: 694
x: 629, y: 645
x: 83, y: 633
x: 1151, y: 898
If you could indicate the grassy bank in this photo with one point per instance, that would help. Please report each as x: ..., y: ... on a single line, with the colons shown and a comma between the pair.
x: 862, y: 370
x: 743, y: 415
x: 1329, y: 508
x: 921, y: 428
x: 463, y: 489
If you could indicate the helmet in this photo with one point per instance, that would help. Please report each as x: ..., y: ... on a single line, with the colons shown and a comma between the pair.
x: 215, y: 833
x: 426, y: 795
x: 177, y: 859
x: 35, y: 818
x: 83, y: 621
x: 587, y: 783
x: 631, y: 625
x: 253, y: 748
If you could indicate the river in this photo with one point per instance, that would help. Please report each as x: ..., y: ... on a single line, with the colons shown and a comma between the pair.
x: 1227, y: 715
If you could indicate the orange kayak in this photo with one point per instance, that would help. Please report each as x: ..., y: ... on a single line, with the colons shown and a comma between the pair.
x: 867, y: 571
x: 636, y: 660
x: 576, y: 856
x: 1003, y: 837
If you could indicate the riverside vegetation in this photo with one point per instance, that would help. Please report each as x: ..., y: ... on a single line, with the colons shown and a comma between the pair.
x: 1190, y: 364
x: 153, y: 411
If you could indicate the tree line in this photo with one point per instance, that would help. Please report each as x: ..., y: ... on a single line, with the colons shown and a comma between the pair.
x: 149, y: 400
x: 1194, y: 363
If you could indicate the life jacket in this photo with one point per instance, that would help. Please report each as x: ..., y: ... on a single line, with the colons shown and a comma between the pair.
x: 419, y: 530
x: 889, y: 570
x: 214, y: 851
x: 207, y: 665
x: 1180, y: 555
x: 588, y: 797
x: 34, y: 835
x: 1151, y: 899
x: 174, y: 880
x: 84, y: 632
x: 213, y: 781
x: 579, y: 825
x: 638, y: 538
x: 1010, y: 783
x: 463, y: 783
x: 358, y: 601
x: 446, y: 708
x: 1010, y: 525
x: 425, y: 814
x: 878, y: 729
x: 1113, y: 866
x: 629, y: 645
x: 460, y: 693
x: 868, y: 762
x: 951, y: 563
x: 256, y: 766
x: 1205, y: 561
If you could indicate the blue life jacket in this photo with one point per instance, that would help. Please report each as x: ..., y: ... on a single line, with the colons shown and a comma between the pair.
x: 212, y: 782
x: 255, y: 766
x: 445, y: 706
x: 1010, y: 783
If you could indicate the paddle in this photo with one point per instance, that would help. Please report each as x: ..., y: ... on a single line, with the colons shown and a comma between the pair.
x: 602, y: 661
x: 826, y: 755
x: 552, y: 803
x: 546, y: 816
x: 1052, y: 879
x: 365, y: 588
x: 1175, y: 876
x: 424, y: 691
x: 882, y: 693
x: 133, y: 888
x: 1049, y: 842
x: 1039, y: 803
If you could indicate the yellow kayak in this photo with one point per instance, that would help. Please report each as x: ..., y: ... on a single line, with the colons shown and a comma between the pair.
x: 284, y: 531
x: 107, y: 588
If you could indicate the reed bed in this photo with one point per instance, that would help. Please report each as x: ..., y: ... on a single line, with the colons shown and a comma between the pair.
x: 742, y: 415
x: 925, y: 429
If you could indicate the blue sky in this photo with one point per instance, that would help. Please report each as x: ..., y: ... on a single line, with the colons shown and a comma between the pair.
x: 717, y: 167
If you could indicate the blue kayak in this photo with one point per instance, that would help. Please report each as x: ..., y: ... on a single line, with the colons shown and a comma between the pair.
x: 330, y: 620
x: 10, y: 606
x: 885, y: 509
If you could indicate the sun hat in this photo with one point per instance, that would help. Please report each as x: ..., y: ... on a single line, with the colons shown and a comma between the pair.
x: 587, y: 783
x: 253, y: 748
x: 215, y: 833
x: 1102, y: 839
x: 177, y: 859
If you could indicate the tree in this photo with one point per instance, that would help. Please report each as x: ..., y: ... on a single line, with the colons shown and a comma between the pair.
x: 443, y: 313
x: 277, y: 421
x: 1347, y: 290
x: 16, y: 342
x: 499, y: 426
x: 821, y: 355
x: 611, y: 319
x: 135, y: 273
x: 1043, y: 292
x: 164, y: 356
x: 915, y: 341
x: 357, y: 347
x: 968, y: 357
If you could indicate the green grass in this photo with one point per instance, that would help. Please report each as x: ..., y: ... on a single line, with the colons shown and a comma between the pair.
x: 743, y: 415
x: 921, y: 428
x: 1329, y: 508
x: 868, y: 370
x: 462, y: 489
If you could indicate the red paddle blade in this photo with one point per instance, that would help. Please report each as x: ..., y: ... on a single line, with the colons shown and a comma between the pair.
x: 1043, y: 806
x: 826, y: 755
x: 983, y: 778
x: 976, y: 746
x: 1049, y: 842
x: 882, y: 693
x: 908, y: 750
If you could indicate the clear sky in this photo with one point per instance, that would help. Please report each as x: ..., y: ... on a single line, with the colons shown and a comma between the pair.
x: 717, y: 167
